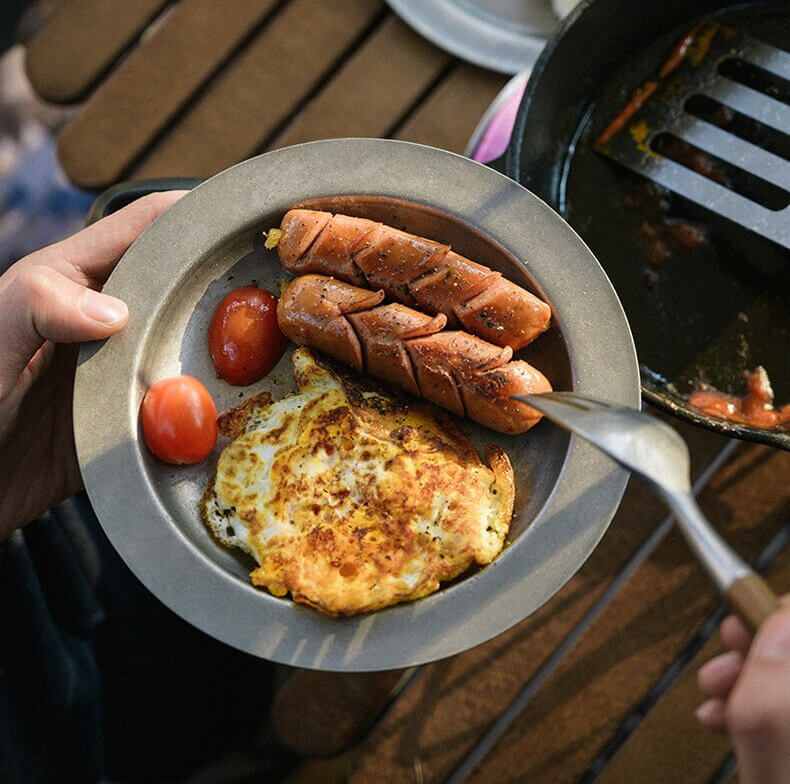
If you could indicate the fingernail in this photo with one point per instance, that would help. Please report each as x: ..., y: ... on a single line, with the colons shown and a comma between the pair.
x: 103, y: 308
x: 703, y: 711
x: 707, y: 712
x: 773, y: 640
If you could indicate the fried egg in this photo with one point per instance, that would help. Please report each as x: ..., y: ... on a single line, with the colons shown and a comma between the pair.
x: 351, y: 499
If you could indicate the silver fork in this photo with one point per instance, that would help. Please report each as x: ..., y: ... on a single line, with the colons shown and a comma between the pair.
x: 657, y: 454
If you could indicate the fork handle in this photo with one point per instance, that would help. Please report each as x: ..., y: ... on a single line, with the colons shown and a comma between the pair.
x: 746, y: 592
x: 752, y: 600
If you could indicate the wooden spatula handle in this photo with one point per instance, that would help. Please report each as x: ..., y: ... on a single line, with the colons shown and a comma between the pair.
x: 752, y: 600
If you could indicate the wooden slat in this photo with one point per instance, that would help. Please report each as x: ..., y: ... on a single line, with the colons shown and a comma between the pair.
x: 317, y: 714
x: 137, y: 100
x: 37, y: 14
x: 670, y: 737
x: 565, y: 727
x: 373, y: 89
x: 450, y: 114
x: 438, y: 720
x: 81, y: 41
x: 259, y: 90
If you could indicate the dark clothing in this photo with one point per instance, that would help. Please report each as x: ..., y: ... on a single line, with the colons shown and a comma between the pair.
x: 97, y: 677
x: 50, y: 714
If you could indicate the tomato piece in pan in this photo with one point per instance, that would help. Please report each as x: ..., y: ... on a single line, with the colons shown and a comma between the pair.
x: 179, y: 420
x: 244, y: 339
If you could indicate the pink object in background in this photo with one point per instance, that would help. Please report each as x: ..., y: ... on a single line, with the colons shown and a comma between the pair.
x: 491, y: 137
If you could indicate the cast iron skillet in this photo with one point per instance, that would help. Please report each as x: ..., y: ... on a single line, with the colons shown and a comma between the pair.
x: 704, y: 315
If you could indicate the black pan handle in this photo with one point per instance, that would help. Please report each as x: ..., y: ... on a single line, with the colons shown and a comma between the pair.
x: 126, y: 192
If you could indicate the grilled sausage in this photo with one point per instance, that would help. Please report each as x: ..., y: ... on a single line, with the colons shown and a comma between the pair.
x: 414, y: 271
x: 409, y: 349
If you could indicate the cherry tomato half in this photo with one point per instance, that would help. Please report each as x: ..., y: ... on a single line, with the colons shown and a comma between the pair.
x: 179, y: 420
x: 243, y: 338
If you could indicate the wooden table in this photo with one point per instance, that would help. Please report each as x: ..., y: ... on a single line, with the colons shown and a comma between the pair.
x: 599, y: 684
x: 198, y: 88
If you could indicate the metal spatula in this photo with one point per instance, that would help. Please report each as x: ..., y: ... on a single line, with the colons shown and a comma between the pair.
x: 712, y: 125
x: 656, y: 454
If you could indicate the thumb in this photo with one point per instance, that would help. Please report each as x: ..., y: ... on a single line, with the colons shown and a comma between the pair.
x: 39, y: 304
x: 758, y: 711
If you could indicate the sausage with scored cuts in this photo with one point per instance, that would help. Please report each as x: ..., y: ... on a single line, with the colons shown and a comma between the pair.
x: 411, y: 350
x: 415, y: 271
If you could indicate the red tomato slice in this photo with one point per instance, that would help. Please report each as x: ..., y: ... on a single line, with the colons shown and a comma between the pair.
x: 179, y: 420
x: 244, y: 339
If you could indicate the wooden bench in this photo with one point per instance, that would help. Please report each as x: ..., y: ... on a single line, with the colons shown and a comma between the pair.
x: 200, y: 89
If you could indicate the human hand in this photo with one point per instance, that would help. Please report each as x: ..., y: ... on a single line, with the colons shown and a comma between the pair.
x: 49, y: 303
x: 749, y: 696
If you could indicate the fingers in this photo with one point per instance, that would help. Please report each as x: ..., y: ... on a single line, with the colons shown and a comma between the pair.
x: 712, y: 714
x: 43, y: 297
x: 717, y: 677
x: 89, y: 256
x: 772, y: 642
x: 749, y: 690
x: 758, y: 709
x: 735, y: 635
x: 41, y: 304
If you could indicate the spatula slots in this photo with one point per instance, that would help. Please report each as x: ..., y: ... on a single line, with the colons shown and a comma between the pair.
x: 713, y: 125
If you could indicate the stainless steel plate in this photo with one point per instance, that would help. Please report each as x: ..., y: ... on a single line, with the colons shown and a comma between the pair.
x: 503, y: 35
x: 210, y: 242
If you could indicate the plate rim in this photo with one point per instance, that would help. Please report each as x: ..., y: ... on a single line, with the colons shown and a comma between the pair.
x: 452, y: 27
x: 411, y: 633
